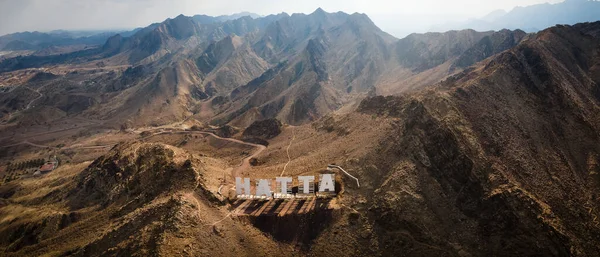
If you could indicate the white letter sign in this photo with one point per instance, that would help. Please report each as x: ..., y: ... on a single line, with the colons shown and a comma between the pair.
x: 263, y: 188
x: 284, y: 183
x: 239, y: 186
x: 305, y: 181
x: 284, y: 187
x: 326, y: 183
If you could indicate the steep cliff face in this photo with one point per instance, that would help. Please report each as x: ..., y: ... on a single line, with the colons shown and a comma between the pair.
x: 421, y: 52
x: 228, y: 64
x: 436, y: 188
x: 489, y: 45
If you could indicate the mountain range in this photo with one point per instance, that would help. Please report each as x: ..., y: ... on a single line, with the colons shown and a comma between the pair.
x: 39, y: 40
x: 62, y: 38
x: 532, y: 18
x: 295, y: 68
x: 465, y: 143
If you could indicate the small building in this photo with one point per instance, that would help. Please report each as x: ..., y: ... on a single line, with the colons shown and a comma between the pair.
x: 47, y: 167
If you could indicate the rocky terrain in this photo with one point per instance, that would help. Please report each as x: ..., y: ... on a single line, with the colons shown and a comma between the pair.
x: 493, y: 141
x: 138, y: 200
x: 465, y: 143
x: 265, y: 129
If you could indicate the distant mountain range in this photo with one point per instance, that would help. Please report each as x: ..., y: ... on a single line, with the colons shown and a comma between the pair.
x: 38, y: 40
x: 205, y: 19
x: 296, y: 68
x: 532, y: 18
x: 241, y: 68
x: 57, y: 38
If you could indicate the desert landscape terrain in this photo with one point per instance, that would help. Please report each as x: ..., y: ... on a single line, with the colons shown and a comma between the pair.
x: 461, y: 143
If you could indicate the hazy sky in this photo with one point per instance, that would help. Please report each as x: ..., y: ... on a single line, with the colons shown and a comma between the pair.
x: 396, y: 17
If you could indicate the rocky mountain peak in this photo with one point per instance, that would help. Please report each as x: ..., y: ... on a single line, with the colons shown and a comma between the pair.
x: 319, y: 12
x: 135, y: 170
x: 180, y: 27
x: 114, y: 43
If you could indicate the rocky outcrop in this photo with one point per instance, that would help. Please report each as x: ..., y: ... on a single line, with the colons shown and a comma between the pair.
x: 135, y: 170
x: 225, y: 131
x: 488, y: 46
x: 264, y: 129
x: 421, y: 52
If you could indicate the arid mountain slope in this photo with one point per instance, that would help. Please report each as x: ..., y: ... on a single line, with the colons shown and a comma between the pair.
x: 334, y: 65
x: 502, y: 159
x: 227, y: 64
x: 426, y: 59
x: 139, y: 199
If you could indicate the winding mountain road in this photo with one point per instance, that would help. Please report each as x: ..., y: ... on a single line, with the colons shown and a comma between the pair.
x: 245, y: 164
x: 235, y: 172
x: 28, y: 105
x: 32, y: 101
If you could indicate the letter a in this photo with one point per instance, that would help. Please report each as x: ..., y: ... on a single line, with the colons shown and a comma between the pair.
x: 326, y: 183
x: 263, y: 188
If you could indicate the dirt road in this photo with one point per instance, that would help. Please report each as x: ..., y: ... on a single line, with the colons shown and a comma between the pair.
x: 245, y: 164
x: 28, y: 105
x: 32, y: 101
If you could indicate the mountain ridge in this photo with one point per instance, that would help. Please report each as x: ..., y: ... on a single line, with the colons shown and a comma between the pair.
x: 348, y: 55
